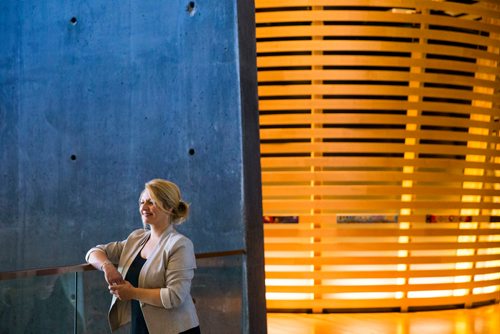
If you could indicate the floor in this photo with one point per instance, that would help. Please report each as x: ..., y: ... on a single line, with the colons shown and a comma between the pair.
x: 481, y: 320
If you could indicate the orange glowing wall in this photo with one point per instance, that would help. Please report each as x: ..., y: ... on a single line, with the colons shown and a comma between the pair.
x: 386, y: 111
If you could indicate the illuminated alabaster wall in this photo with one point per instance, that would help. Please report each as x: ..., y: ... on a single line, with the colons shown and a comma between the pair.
x: 380, y: 152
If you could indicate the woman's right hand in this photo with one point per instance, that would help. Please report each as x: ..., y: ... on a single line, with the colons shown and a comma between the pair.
x: 112, y: 275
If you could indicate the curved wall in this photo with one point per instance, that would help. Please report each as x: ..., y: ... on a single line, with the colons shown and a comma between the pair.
x: 380, y: 152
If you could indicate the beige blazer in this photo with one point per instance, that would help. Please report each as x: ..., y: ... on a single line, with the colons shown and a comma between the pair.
x: 170, y: 267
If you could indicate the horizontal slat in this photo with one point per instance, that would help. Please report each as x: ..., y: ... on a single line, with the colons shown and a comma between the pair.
x: 347, y: 16
x: 387, y: 92
x: 359, y: 79
x: 299, y: 207
x: 361, y: 230
x: 372, y: 31
x: 387, y: 176
x: 373, y: 106
x: 325, y: 303
x: 382, y: 61
x: 371, y: 162
x: 364, y: 246
x: 379, y: 74
x: 324, y: 274
x: 453, y: 300
x: 418, y: 221
x: 374, y: 46
x: 376, y: 302
x: 379, y: 288
x: 367, y: 190
x: 482, y: 8
x: 377, y: 260
x: 337, y: 133
x: 356, y: 148
x: 363, y: 16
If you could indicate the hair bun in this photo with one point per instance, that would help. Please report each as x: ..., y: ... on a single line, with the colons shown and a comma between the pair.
x: 182, y: 210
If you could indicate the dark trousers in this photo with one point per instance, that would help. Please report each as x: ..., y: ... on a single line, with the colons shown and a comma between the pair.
x: 194, y: 330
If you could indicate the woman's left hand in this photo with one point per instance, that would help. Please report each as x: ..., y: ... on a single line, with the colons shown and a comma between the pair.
x: 124, y: 291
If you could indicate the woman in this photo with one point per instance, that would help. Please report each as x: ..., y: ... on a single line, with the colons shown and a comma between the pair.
x: 158, y: 265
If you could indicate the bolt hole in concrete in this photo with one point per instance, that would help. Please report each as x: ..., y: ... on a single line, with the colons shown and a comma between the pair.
x: 191, y: 8
x: 73, y: 21
x: 73, y: 157
x: 191, y: 151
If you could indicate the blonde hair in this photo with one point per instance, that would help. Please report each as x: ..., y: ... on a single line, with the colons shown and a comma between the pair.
x: 167, y: 197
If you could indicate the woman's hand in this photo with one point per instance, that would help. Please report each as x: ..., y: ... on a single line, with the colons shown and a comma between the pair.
x: 112, y: 275
x: 123, y: 291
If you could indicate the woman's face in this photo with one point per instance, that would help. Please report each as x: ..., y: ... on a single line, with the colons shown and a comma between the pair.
x: 150, y: 213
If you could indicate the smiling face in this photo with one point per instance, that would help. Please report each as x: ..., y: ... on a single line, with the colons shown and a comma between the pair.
x: 151, y: 213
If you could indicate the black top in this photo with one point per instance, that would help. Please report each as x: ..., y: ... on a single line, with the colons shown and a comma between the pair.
x: 138, y: 325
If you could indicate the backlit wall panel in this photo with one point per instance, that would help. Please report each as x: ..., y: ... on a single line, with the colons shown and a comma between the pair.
x: 380, y: 158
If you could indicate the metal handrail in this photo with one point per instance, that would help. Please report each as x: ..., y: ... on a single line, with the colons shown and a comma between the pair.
x: 10, y: 275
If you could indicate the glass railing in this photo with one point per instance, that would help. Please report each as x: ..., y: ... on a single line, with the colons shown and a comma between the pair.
x: 75, y: 299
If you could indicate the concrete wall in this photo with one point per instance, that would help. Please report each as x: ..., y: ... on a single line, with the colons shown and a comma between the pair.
x: 97, y: 97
